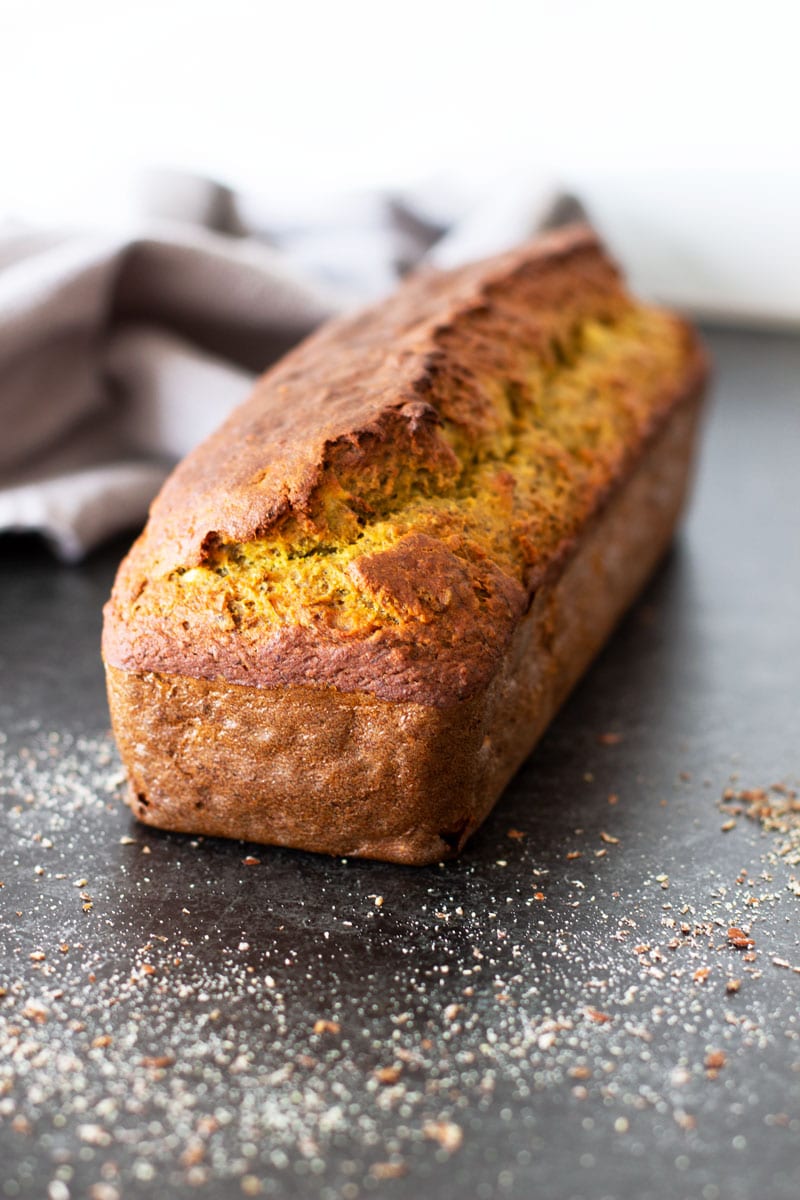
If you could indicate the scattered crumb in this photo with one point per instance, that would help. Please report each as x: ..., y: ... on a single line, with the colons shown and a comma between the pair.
x: 449, y: 1135
x: 389, y: 1075
x: 158, y: 1061
x: 388, y: 1170
x: 600, y: 1018
x: 715, y: 1061
x: 324, y: 1026
x: 157, y: 1028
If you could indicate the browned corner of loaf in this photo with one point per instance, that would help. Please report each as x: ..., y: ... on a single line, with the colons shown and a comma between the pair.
x: 337, y: 773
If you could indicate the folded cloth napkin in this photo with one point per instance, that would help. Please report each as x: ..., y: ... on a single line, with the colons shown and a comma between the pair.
x: 120, y: 351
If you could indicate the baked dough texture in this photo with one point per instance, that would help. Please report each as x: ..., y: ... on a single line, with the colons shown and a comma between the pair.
x: 356, y: 607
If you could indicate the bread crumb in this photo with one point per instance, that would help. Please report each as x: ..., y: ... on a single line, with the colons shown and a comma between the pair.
x: 449, y: 1135
x: 324, y: 1026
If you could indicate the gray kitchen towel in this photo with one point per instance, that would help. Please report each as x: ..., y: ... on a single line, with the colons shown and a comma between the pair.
x: 120, y: 351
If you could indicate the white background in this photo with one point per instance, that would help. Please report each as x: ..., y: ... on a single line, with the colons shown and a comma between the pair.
x: 679, y: 121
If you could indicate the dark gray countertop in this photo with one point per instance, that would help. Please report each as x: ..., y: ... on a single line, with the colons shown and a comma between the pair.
x: 553, y: 1015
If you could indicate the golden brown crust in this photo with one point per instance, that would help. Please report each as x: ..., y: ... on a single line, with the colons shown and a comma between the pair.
x: 362, y: 399
x: 362, y: 383
x: 352, y: 774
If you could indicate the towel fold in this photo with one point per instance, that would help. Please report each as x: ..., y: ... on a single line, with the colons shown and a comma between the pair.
x: 118, y: 353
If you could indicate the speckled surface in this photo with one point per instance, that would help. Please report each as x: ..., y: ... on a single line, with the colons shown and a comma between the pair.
x: 556, y: 1014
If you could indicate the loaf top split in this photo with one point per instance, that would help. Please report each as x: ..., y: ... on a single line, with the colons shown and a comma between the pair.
x: 377, y: 516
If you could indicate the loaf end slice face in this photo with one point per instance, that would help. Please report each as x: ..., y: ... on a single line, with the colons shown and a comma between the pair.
x: 357, y: 606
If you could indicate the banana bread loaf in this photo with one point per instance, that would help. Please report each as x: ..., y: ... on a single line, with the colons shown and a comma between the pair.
x: 356, y: 607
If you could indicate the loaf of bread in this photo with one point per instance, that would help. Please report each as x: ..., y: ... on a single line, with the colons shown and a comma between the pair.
x: 357, y: 606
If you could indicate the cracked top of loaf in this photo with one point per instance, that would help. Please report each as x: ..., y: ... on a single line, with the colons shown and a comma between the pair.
x: 378, y: 514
